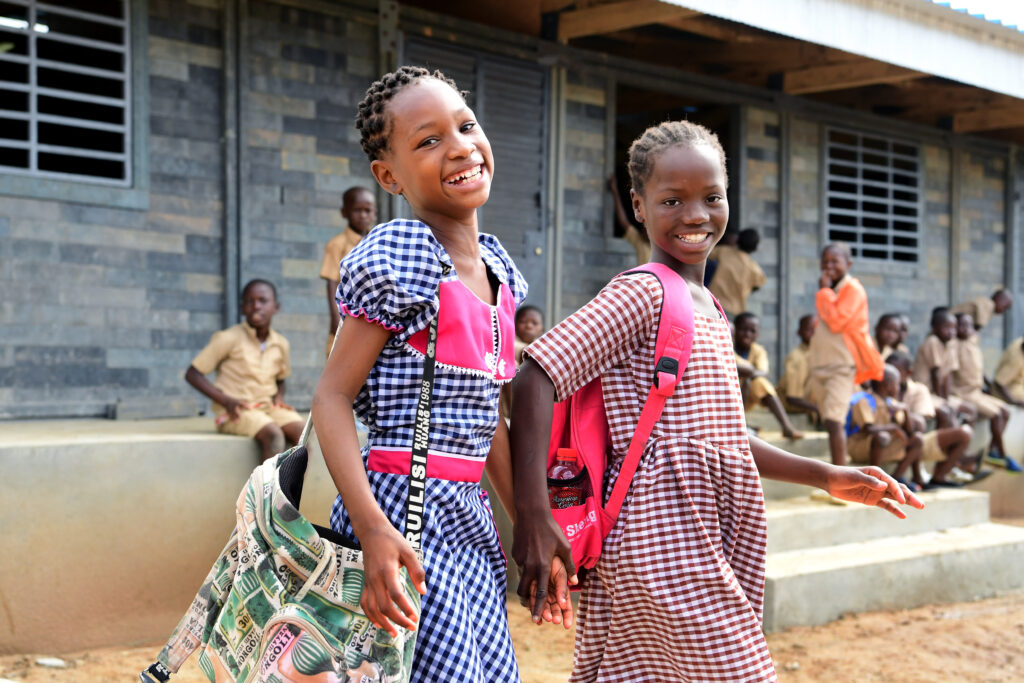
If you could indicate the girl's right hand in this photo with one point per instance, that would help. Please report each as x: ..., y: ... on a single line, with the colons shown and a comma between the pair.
x: 384, y: 599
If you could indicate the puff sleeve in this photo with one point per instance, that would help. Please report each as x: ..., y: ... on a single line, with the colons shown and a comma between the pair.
x: 390, y: 279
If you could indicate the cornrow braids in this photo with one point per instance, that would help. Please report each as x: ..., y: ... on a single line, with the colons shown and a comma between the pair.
x: 656, y: 139
x: 372, y: 120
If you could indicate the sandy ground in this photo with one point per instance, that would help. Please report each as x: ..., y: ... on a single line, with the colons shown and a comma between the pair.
x: 980, y: 641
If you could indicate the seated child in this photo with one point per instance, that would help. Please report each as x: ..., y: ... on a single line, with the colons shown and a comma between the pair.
x: 252, y: 362
x: 875, y: 427
x: 841, y: 353
x: 888, y: 334
x: 1009, y: 377
x: 904, y: 333
x: 983, y: 308
x: 752, y: 367
x: 737, y: 274
x: 792, y: 386
x: 359, y: 209
x: 936, y: 361
x: 945, y: 445
x: 968, y: 381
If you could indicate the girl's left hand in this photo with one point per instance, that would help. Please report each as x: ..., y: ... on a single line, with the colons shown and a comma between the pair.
x: 870, y: 486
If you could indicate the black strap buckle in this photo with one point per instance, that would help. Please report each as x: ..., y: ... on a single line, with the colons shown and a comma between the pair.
x: 667, y: 365
x: 156, y: 673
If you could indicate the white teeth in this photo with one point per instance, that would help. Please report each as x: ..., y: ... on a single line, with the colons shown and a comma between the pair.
x: 464, y: 176
x: 694, y: 238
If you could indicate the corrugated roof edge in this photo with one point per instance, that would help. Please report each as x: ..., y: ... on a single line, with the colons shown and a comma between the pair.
x: 982, y: 16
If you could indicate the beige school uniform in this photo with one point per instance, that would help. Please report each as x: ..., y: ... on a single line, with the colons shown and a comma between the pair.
x: 862, y: 416
x: 1010, y: 371
x: 832, y: 370
x: 886, y: 350
x: 934, y: 354
x: 248, y: 373
x: 969, y: 379
x: 736, y: 276
x: 334, y: 251
x: 756, y: 388
x: 981, y: 309
x: 795, y: 376
x: 918, y: 400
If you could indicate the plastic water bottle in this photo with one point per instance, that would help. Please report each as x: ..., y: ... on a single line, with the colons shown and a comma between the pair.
x: 565, y: 468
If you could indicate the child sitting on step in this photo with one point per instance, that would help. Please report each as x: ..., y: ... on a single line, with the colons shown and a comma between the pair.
x: 792, y: 386
x: 876, y: 428
x: 752, y: 367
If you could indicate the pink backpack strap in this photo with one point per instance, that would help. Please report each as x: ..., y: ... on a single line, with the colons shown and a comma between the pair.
x: 672, y: 353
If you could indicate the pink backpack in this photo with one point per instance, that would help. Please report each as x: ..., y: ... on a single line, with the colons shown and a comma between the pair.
x: 579, y: 422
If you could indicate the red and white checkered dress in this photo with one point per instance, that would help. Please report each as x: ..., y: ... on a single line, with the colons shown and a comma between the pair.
x: 678, y: 591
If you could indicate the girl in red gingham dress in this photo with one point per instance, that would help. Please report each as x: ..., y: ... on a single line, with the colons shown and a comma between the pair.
x: 677, y: 593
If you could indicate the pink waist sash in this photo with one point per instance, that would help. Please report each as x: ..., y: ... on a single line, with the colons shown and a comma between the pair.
x: 440, y: 465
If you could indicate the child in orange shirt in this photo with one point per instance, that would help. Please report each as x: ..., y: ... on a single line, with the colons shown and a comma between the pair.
x: 841, y: 354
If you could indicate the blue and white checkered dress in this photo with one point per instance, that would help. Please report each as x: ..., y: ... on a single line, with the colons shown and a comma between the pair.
x: 391, y: 278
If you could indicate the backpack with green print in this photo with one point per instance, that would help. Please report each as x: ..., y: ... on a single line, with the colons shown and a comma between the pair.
x: 281, y: 603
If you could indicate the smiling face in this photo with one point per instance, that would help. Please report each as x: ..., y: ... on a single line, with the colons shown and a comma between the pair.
x: 437, y: 155
x: 834, y: 264
x: 684, y: 206
x: 746, y: 332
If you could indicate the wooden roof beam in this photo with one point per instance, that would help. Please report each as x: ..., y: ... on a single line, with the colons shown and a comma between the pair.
x: 719, y: 29
x: 989, y: 119
x: 617, y: 16
x: 843, y: 76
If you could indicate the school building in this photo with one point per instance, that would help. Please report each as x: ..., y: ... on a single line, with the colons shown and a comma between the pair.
x: 157, y: 154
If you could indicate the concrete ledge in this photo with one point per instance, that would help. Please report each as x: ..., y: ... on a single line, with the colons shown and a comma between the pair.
x: 810, y: 587
x: 799, y: 523
x: 111, y: 527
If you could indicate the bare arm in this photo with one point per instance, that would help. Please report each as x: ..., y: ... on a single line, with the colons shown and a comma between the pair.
x: 198, y: 380
x: 332, y: 305
x: 867, y: 485
x: 499, y: 469
x: 538, y: 539
x: 384, y: 548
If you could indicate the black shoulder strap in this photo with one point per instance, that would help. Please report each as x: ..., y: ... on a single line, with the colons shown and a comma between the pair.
x: 421, y: 434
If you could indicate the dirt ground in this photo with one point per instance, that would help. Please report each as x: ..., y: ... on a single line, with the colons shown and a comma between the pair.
x: 980, y: 641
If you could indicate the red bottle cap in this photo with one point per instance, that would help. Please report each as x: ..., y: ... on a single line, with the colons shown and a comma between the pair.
x: 567, y: 454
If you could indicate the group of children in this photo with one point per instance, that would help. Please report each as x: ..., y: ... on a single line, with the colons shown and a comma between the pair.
x: 678, y: 591
x: 912, y: 410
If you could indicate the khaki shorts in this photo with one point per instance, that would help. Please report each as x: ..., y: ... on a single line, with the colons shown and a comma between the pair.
x: 930, y: 450
x: 859, y: 448
x: 831, y: 389
x: 953, y: 402
x: 988, y: 406
x: 251, y: 421
x: 757, y: 389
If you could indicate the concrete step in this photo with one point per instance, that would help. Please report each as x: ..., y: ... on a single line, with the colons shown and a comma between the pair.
x: 761, y: 417
x: 814, y: 586
x: 797, y: 523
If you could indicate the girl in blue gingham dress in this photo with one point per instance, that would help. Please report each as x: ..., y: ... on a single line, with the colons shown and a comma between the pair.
x: 402, y: 275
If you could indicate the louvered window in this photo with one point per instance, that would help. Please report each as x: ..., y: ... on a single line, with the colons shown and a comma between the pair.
x: 873, y: 195
x: 65, y: 90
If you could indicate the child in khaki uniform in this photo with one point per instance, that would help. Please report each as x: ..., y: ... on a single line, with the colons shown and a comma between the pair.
x: 841, y: 353
x: 889, y: 335
x: 968, y: 381
x: 252, y: 362
x: 359, y: 208
x: 737, y: 274
x: 876, y: 428
x: 792, y: 386
x: 983, y: 308
x: 936, y: 361
x: 1009, y: 377
x: 947, y: 445
x: 752, y: 367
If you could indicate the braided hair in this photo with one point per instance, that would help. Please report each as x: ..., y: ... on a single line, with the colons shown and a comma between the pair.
x: 372, y: 120
x: 656, y: 139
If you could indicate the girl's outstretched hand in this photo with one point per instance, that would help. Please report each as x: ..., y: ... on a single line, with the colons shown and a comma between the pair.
x: 870, y: 486
x: 384, y: 598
